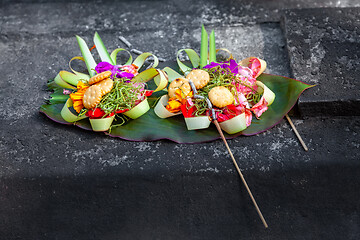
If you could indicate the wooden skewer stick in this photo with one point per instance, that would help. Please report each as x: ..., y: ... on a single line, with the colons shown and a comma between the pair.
x: 239, y: 171
x: 296, y: 133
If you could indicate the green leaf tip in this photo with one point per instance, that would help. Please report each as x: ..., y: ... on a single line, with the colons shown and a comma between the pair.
x: 88, y: 58
x: 203, y: 47
x: 212, y: 47
x: 101, y: 49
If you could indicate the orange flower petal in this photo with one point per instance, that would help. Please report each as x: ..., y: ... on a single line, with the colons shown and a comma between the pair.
x: 81, y: 86
x: 78, y: 105
x: 173, y: 106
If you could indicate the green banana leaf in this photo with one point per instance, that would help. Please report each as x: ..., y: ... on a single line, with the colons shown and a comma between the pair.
x: 149, y: 127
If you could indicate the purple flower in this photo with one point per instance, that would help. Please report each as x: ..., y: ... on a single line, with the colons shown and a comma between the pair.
x: 103, y: 66
x: 124, y: 75
x: 115, y: 70
x: 211, y: 65
x: 230, y: 65
x: 233, y: 66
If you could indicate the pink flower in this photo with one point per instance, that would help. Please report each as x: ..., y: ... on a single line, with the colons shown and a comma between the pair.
x: 260, y: 107
x: 189, y: 101
x: 246, y: 85
x: 241, y: 100
x: 255, y: 66
x: 130, y: 69
x: 229, y: 112
x: 245, y: 71
x: 66, y: 92
x: 248, y: 117
x: 140, y: 89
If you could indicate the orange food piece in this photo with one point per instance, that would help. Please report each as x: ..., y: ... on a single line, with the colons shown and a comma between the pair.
x: 77, y: 97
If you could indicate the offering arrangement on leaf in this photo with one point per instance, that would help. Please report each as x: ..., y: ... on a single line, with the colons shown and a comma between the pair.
x: 231, y: 87
x: 109, y: 90
x: 236, y: 93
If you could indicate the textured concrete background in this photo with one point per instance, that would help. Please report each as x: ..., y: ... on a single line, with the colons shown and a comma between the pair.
x: 61, y: 182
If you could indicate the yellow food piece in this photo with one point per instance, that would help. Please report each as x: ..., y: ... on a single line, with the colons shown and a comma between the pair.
x: 221, y: 96
x: 179, y: 83
x: 99, y: 77
x: 199, y: 77
x: 92, y: 96
x: 105, y: 85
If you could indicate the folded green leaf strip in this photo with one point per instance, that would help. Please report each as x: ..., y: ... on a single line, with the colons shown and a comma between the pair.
x: 172, y: 74
x: 71, y: 78
x: 160, y: 78
x: 196, y: 123
x: 138, y: 110
x: 267, y: 93
x: 139, y: 61
x: 234, y: 125
x: 160, y: 109
x: 114, y: 53
x: 60, y: 81
x: 101, y: 124
x: 89, y: 60
x: 81, y: 76
x: 193, y: 57
x: 101, y: 49
x: 212, y: 47
x: 67, y: 115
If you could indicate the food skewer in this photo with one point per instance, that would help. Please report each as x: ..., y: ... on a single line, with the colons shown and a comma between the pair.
x: 240, y: 174
x: 229, y: 150
x: 297, y: 133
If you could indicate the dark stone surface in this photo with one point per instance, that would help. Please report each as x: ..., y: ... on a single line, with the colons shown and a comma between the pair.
x: 324, y: 49
x: 61, y: 182
x: 110, y: 189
